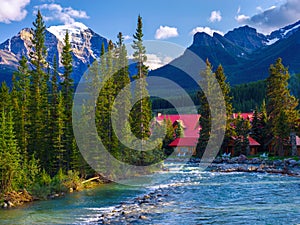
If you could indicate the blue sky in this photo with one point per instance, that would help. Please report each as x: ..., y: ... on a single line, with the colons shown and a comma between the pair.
x: 173, y: 21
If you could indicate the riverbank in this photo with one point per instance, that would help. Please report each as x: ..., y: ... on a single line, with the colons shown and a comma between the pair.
x: 18, y: 198
x: 288, y: 166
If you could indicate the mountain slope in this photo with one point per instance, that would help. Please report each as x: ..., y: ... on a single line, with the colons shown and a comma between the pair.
x: 86, y: 46
x: 244, y: 54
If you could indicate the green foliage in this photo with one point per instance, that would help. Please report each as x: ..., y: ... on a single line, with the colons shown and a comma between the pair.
x: 204, y: 111
x: 281, y: 105
x: 246, y: 97
x: 242, y: 130
x: 10, y: 157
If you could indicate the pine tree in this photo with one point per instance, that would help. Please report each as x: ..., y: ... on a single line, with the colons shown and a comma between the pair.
x: 170, y: 136
x: 59, y: 159
x: 141, y: 112
x: 67, y: 96
x: 10, y: 157
x: 225, y: 87
x: 205, y: 117
x: 38, y: 110
x: 21, y: 85
x: 281, y: 132
x: 242, y: 130
x: 280, y: 103
x: 122, y: 84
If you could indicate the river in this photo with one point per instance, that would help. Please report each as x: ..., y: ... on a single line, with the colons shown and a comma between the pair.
x: 190, y: 196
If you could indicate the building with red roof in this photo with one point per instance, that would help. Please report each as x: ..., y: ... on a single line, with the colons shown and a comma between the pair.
x: 186, y: 145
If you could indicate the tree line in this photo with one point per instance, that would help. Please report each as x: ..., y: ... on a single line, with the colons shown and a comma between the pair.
x: 38, y: 150
x: 275, y: 122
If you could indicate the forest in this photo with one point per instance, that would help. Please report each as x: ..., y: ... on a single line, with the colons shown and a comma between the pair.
x: 38, y: 150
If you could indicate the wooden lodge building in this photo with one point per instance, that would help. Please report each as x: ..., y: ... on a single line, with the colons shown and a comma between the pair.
x: 186, y: 145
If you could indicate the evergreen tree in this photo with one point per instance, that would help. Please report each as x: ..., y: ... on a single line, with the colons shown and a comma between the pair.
x: 170, y: 136
x: 38, y: 102
x: 59, y: 159
x: 122, y: 83
x: 242, y: 130
x: 10, y: 157
x: 280, y: 103
x: 281, y: 133
x: 225, y: 87
x: 21, y: 85
x: 205, y: 117
x: 67, y: 96
x: 141, y: 112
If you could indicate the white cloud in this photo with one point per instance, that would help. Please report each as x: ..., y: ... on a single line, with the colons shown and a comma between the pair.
x: 215, y: 16
x: 155, y: 61
x: 13, y: 10
x: 238, y: 10
x: 57, y: 12
x: 127, y: 37
x: 164, y: 32
x: 207, y: 30
x: 267, y: 20
x: 242, y: 18
x: 259, y: 9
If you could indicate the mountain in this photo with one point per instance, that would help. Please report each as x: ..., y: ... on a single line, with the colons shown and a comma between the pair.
x: 244, y: 54
x: 247, y: 38
x: 86, y: 46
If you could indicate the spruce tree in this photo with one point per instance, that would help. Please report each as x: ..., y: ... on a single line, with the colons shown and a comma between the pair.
x: 225, y: 88
x: 122, y: 82
x: 10, y: 157
x: 21, y: 84
x: 205, y: 116
x: 242, y: 130
x: 280, y: 103
x: 67, y: 96
x: 38, y: 102
x: 141, y: 112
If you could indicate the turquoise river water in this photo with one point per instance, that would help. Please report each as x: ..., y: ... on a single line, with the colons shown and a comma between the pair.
x: 193, y: 197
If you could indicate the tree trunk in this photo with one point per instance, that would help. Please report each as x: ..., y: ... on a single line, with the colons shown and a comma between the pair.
x: 293, y: 143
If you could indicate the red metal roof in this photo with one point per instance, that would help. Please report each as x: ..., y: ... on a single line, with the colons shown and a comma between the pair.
x: 252, y: 142
x: 245, y: 116
x: 184, y: 142
x: 190, y: 123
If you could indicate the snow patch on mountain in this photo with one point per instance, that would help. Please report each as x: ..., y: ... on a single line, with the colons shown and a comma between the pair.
x: 291, y: 29
x: 74, y: 29
x: 272, y: 41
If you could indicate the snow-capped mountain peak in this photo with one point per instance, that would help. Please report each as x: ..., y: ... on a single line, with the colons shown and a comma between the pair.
x: 74, y: 30
x: 284, y: 32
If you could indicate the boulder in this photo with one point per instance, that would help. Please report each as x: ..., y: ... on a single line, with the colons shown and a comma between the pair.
x: 255, y: 161
x: 242, y: 158
x: 143, y: 217
x: 292, y: 162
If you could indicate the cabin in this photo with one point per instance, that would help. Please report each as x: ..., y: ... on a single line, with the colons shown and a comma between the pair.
x: 287, y: 147
x: 186, y: 145
x: 253, y: 146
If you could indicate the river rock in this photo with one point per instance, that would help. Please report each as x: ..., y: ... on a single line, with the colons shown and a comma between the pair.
x: 4, y: 205
x: 143, y: 217
x: 242, y: 158
x: 292, y: 162
x: 277, y: 162
x: 218, y: 160
x: 255, y: 161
